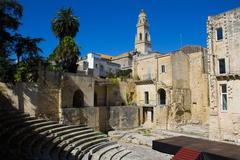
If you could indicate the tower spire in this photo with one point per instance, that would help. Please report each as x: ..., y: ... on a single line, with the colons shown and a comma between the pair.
x: 142, y: 39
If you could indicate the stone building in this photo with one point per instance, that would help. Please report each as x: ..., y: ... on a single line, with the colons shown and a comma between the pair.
x: 172, y: 88
x: 124, y: 60
x: 224, y: 75
x: 100, y: 64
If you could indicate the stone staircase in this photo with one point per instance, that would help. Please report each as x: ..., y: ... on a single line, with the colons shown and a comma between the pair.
x: 24, y: 137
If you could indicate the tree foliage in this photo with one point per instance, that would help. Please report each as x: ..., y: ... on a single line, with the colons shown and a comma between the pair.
x: 11, y: 42
x: 27, y: 47
x: 65, y: 24
x: 10, y: 15
x: 66, y: 54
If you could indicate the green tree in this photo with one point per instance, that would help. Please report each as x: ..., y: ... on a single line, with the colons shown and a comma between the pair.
x: 27, y: 69
x: 66, y: 54
x: 11, y: 42
x: 10, y: 14
x: 65, y: 24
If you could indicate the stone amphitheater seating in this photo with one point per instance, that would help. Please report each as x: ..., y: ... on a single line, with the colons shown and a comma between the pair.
x: 23, y: 137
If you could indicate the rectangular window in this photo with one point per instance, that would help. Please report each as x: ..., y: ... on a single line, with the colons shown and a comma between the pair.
x: 163, y: 68
x: 223, y: 88
x: 219, y: 34
x: 146, y: 97
x: 222, y: 66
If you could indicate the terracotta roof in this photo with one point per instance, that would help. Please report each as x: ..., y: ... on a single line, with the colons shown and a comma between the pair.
x: 104, y: 56
x: 126, y: 54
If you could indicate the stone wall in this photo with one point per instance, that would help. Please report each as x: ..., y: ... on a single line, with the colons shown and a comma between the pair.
x: 123, y: 117
x: 199, y: 87
x: 103, y: 118
x: 145, y: 67
x: 224, y: 124
x: 38, y: 99
x: 71, y: 83
x: 95, y: 117
x: 114, y: 92
x: 180, y: 70
x: 141, y: 88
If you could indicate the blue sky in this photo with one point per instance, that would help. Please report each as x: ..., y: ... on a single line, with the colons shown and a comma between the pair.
x: 109, y: 26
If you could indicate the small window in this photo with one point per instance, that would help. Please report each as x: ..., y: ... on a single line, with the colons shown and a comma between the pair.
x: 222, y: 66
x: 163, y: 68
x: 223, y: 88
x: 96, y: 65
x: 219, y: 32
x: 146, y: 97
x: 140, y: 36
x: 146, y: 37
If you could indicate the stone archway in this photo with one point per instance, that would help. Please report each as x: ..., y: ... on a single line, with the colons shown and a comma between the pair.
x: 78, y: 98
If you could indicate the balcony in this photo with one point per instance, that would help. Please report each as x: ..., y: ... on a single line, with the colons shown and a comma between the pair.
x: 228, y: 76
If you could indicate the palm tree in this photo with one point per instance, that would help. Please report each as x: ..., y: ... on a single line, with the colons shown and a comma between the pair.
x: 65, y: 24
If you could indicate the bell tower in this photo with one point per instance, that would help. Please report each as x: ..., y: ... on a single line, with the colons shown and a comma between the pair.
x: 142, y: 39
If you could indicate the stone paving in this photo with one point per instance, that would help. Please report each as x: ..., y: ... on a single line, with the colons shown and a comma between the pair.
x: 142, y: 136
x: 144, y: 153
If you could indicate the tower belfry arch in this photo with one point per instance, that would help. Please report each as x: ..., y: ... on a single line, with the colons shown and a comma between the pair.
x: 142, y: 39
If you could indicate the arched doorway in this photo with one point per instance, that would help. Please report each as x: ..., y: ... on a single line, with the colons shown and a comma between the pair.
x: 78, y: 98
x: 161, y: 97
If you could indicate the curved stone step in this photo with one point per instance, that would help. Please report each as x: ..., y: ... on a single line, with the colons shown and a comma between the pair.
x: 71, y: 130
x: 65, y: 143
x: 54, y: 150
x: 108, y: 152
x: 86, y: 151
x: 117, y: 151
x: 42, y: 131
x: 8, y: 122
x: 98, y: 147
x: 22, y: 128
x: 57, y: 139
x: 25, y: 140
x: 80, y: 148
x: 47, y: 138
x: 131, y: 156
x: 12, y: 126
x: 66, y: 151
x: 20, y: 145
x: 121, y: 155
x: 100, y: 155
x: 35, y: 135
